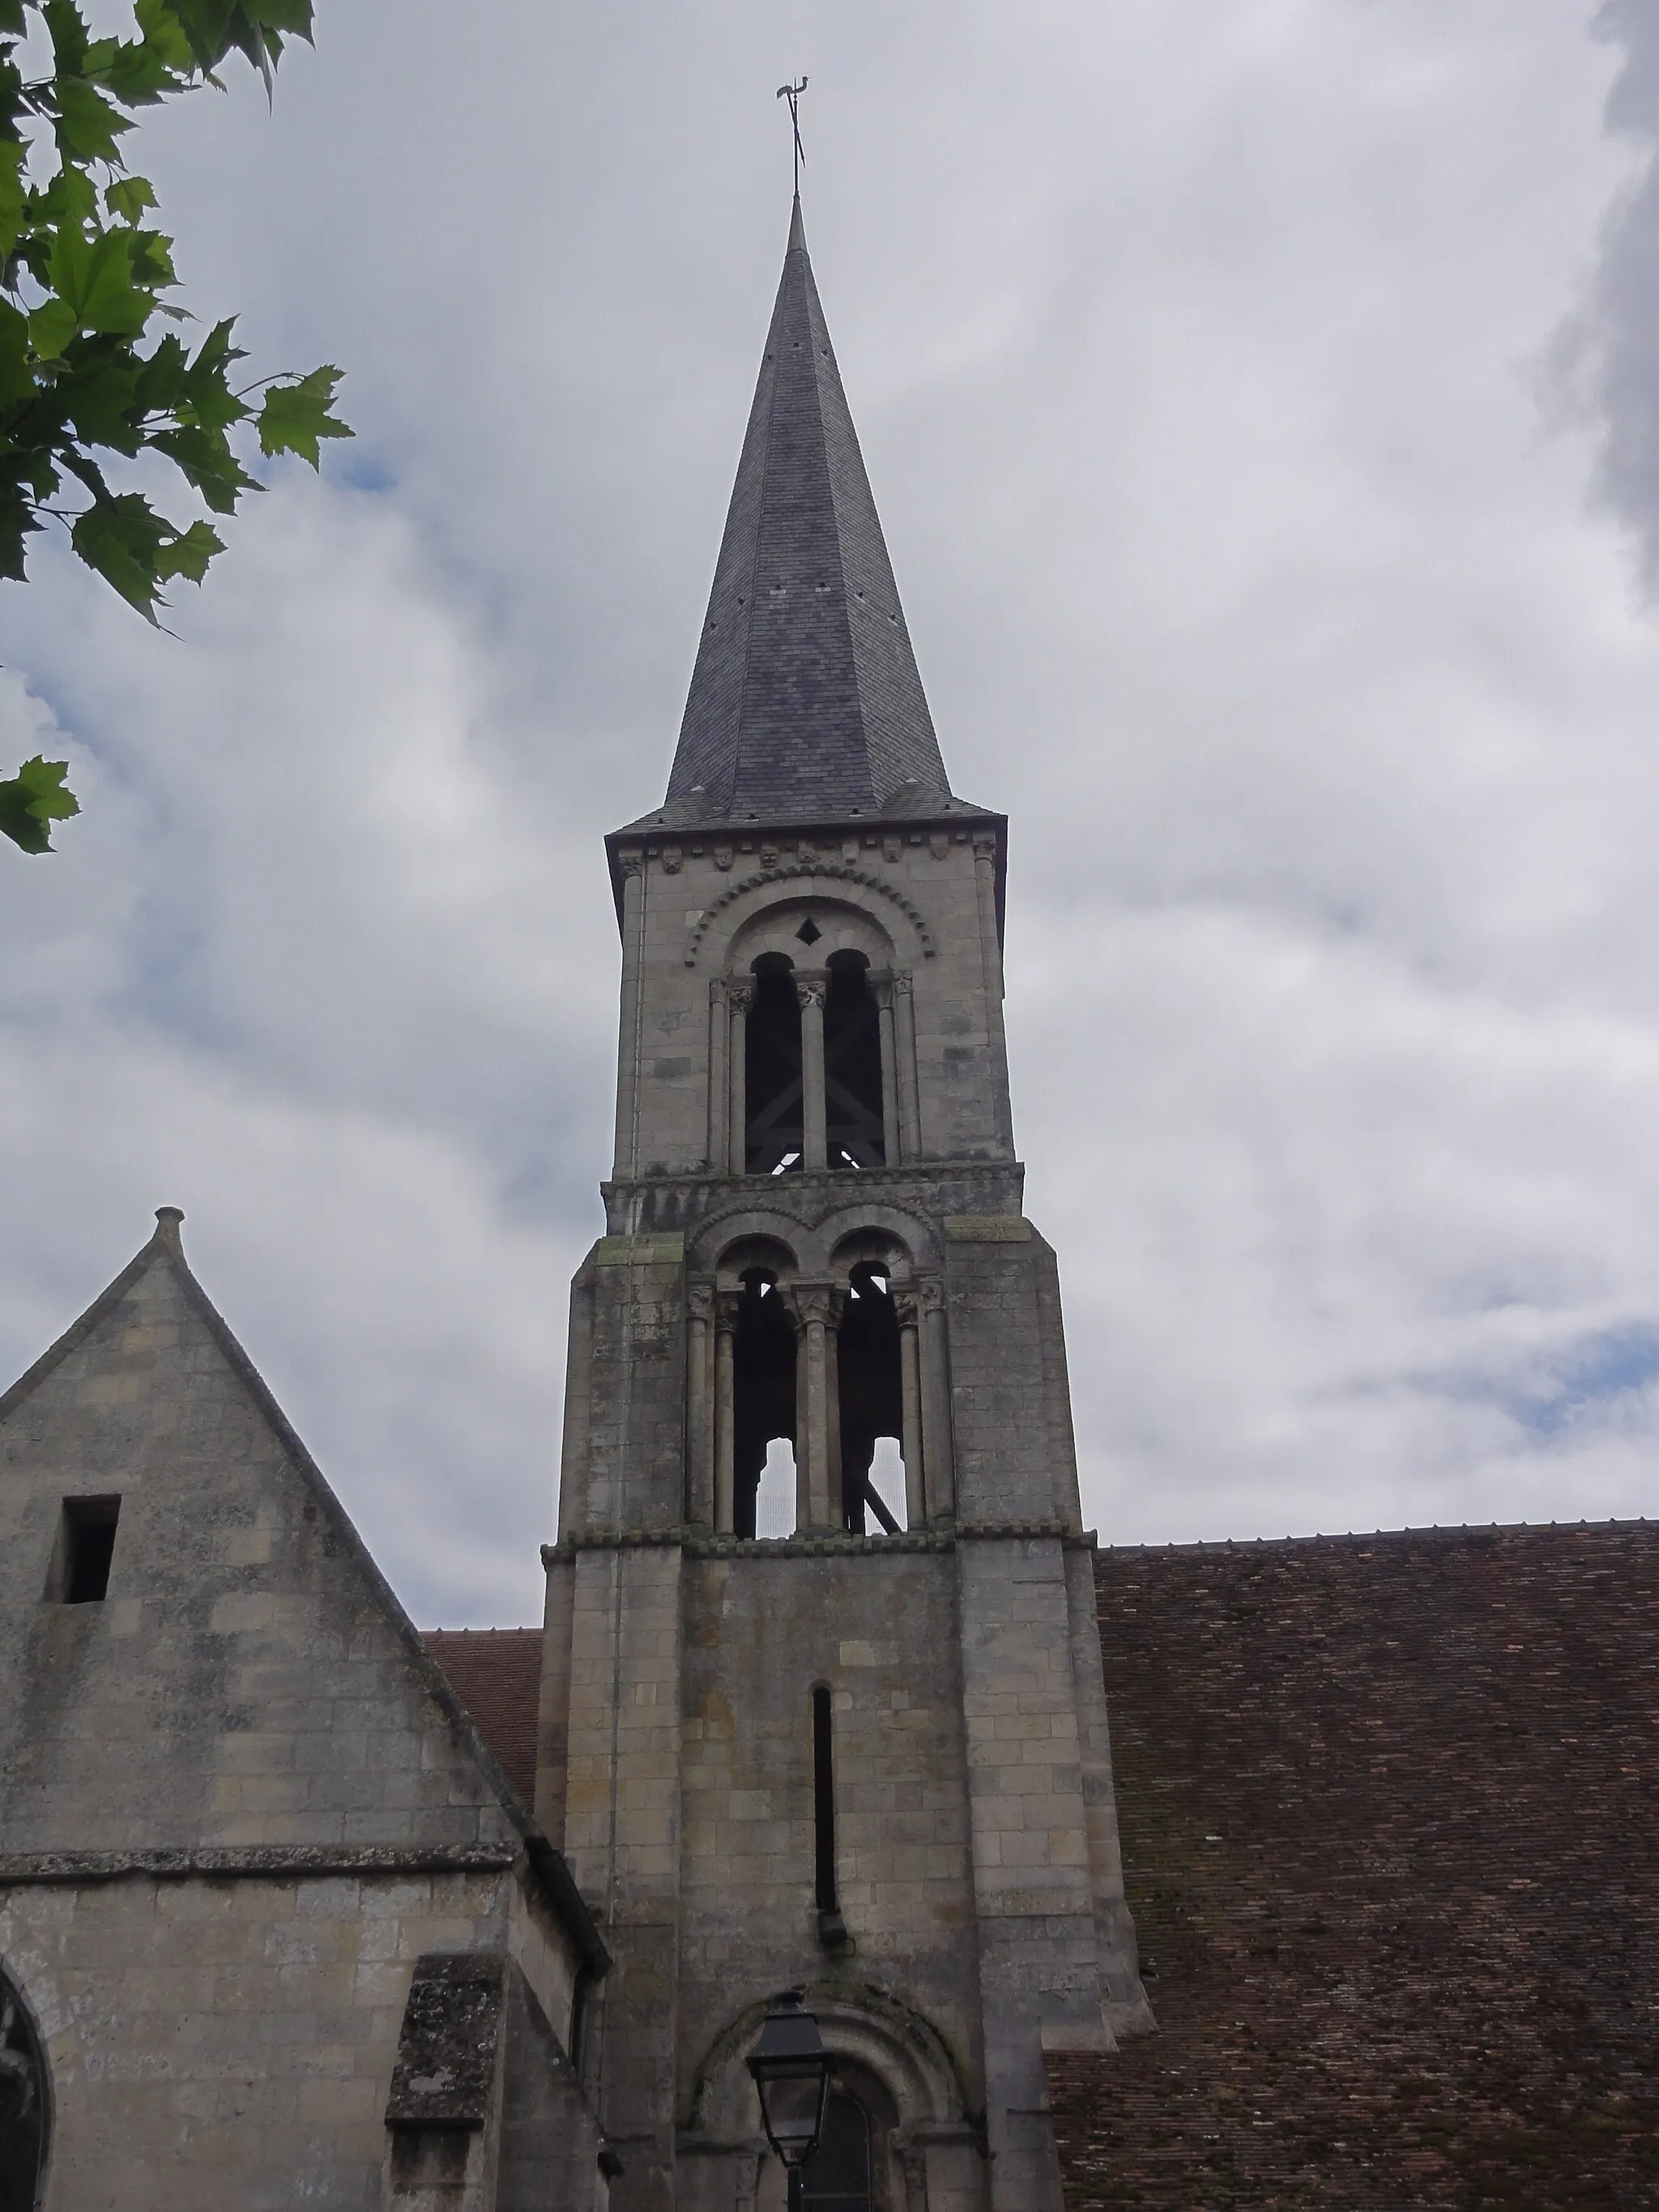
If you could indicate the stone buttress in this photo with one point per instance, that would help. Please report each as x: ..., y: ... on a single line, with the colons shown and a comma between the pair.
x: 870, y: 1756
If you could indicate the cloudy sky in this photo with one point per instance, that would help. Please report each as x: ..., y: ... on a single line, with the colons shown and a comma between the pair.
x: 1263, y: 405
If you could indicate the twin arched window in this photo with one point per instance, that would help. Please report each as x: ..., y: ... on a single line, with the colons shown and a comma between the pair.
x: 814, y: 1067
x: 869, y: 1398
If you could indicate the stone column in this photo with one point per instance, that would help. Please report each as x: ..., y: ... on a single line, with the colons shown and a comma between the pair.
x: 632, y: 865
x: 815, y: 1309
x: 726, y: 1303
x: 809, y: 995
x: 904, y: 1051
x: 907, y: 1307
x: 739, y: 997
x: 985, y: 888
x: 699, y: 1405
x: 719, y: 1060
x: 936, y: 1400
x: 883, y: 987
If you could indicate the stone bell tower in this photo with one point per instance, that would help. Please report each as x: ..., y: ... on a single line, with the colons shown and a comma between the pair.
x: 868, y: 1756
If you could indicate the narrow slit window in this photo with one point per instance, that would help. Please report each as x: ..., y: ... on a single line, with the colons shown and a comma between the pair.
x: 86, y: 1549
x: 823, y: 1801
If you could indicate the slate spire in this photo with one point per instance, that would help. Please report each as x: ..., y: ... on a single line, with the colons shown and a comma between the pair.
x: 804, y: 703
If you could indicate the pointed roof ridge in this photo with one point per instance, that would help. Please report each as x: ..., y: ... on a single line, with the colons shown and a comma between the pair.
x: 804, y: 699
x: 166, y: 1245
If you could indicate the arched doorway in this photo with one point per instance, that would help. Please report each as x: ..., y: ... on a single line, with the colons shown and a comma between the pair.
x: 23, y: 2113
x: 840, y: 2175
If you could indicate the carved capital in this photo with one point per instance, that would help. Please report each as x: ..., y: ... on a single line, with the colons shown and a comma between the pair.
x: 903, y: 982
x: 728, y: 1304
x: 907, y: 1307
x: 700, y: 1298
x: 630, y: 864
x: 717, y: 990
x: 809, y: 991
x: 740, y: 994
x: 931, y: 1291
x: 985, y: 845
x: 807, y: 1302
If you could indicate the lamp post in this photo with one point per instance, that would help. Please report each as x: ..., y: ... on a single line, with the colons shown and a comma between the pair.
x: 791, y: 2069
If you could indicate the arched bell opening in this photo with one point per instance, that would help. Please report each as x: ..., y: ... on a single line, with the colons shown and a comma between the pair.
x: 25, y: 2113
x: 763, y: 1424
x: 774, y: 1133
x: 854, y: 1119
x: 870, y: 1394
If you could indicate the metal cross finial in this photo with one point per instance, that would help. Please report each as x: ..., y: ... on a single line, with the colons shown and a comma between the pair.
x: 792, y: 92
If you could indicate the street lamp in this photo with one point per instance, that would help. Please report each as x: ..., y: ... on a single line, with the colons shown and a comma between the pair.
x: 791, y: 2069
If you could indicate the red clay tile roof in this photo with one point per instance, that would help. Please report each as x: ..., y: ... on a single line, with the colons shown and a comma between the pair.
x: 1387, y: 1808
x: 496, y: 1674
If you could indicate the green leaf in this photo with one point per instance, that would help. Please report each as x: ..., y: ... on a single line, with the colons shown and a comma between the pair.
x: 16, y: 370
x: 50, y: 329
x: 12, y: 197
x: 87, y: 125
x: 152, y: 260
x: 206, y: 25
x: 208, y: 463
x: 133, y: 70
x: 100, y: 397
x: 93, y: 277
x: 12, y: 22
x: 208, y: 400
x: 163, y: 378
x: 71, y: 199
x: 33, y: 800
x: 191, y: 551
x: 158, y: 22
x: 16, y: 521
x: 215, y: 353
x: 67, y: 28
x: 293, y: 416
x: 123, y: 539
x: 128, y: 198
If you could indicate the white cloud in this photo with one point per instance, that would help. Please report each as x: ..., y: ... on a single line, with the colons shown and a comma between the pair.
x: 1202, y: 362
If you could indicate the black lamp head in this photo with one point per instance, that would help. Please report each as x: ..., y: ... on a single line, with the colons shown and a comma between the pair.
x: 791, y: 2069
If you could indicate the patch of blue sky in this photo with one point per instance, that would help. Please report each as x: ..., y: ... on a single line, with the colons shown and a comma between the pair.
x: 1614, y: 1365
x: 360, y: 469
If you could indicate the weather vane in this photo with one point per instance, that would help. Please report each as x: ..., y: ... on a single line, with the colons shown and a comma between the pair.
x: 792, y: 92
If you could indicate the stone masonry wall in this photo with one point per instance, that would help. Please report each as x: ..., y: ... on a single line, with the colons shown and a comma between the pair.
x: 880, y: 1633
x: 228, y: 2043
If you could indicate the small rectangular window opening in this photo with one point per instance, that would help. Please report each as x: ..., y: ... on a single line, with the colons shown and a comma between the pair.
x: 823, y: 1800
x: 86, y: 1547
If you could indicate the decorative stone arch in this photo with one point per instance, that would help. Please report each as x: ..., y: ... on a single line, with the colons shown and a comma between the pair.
x: 828, y: 1244
x: 720, y: 1236
x: 25, y: 2101
x: 718, y: 926
x: 872, y: 2032
x: 840, y: 924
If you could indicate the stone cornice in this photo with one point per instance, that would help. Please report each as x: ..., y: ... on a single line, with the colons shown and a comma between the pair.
x: 255, y: 1862
x: 698, y: 1543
